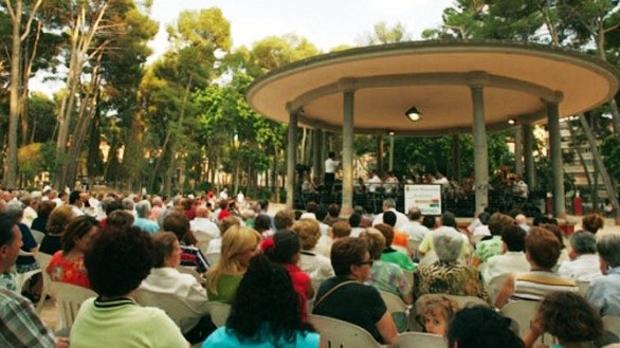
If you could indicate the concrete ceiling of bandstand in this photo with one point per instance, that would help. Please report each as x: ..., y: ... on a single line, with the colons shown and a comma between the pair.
x: 435, y: 77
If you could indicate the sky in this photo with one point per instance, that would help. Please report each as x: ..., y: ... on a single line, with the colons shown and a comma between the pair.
x: 325, y: 23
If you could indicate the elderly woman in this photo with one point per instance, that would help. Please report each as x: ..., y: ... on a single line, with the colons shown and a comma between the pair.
x: 316, y: 265
x: 56, y: 225
x: 542, y: 250
x: 390, y: 254
x: 492, y: 245
x: 583, y: 264
x: 117, y: 263
x: 44, y: 210
x: 26, y: 262
x: 604, y: 292
x: 67, y: 265
x: 592, y: 223
x: 447, y: 275
x: 345, y: 296
x: 239, y: 244
x: 142, y: 221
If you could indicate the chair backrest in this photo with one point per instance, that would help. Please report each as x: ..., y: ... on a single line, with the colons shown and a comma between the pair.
x: 219, y: 312
x: 69, y: 298
x: 495, y: 285
x: 429, y: 258
x: 393, y: 303
x: 191, y: 271
x: 203, y: 243
x: 37, y: 235
x: 612, y: 324
x: 413, y: 246
x: 212, y: 258
x: 522, y: 312
x: 341, y: 334
x: 43, y: 260
x: 419, y: 340
x: 464, y: 301
x: 178, y: 311
x: 583, y: 287
x: 409, y: 277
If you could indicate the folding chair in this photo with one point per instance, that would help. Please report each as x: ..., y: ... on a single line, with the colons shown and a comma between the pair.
x: 397, y: 308
x: 43, y: 260
x: 212, y: 258
x: 37, y: 235
x: 341, y: 334
x: 184, y: 316
x: 612, y: 324
x: 219, y: 312
x: 495, y: 285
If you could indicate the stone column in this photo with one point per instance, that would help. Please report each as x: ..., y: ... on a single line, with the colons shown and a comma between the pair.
x: 456, y: 157
x: 380, y: 153
x: 391, y: 158
x: 555, y: 146
x: 481, y: 156
x: 316, y: 153
x: 528, y: 155
x: 291, y: 158
x: 347, y: 152
x: 323, y: 149
x: 518, y: 150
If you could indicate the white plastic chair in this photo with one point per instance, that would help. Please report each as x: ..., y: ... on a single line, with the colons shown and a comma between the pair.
x: 212, y: 258
x: 413, y: 246
x: 612, y: 324
x: 495, y: 285
x: 464, y: 301
x: 583, y: 287
x: 522, y: 312
x: 409, y: 277
x: 69, y: 298
x: 43, y: 260
x: 395, y: 305
x: 341, y: 334
x: 37, y: 235
x: 219, y: 312
x: 182, y: 315
x: 191, y: 271
x: 419, y: 340
x: 203, y: 242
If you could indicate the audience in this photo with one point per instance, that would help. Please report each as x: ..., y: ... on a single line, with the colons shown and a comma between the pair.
x: 400, y: 239
x: 414, y: 229
x: 239, y: 244
x: 512, y: 260
x: 119, y: 260
x: 481, y: 327
x: 178, y: 224
x: 345, y: 297
x: 390, y: 205
x: 202, y: 227
x: 26, y: 262
x: 316, y: 265
x: 265, y: 313
x: 215, y: 245
x: 448, y: 224
x: 569, y: 318
x: 142, y: 220
x: 447, y: 276
x: 262, y: 225
x: 56, y: 225
x: 165, y: 279
x: 333, y: 214
x: 435, y: 313
x: 542, y: 250
x: 492, y: 246
x: 592, y: 223
x: 604, y: 292
x: 67, y: 265
x: 390, y: 254
x: 583, y: 265
x: 354, y: 221
x: 44, y: 210
x: 339, y: 229
x: 283, y: 220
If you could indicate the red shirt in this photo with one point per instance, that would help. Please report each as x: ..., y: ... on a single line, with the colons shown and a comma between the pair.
x: 68, y: 271
x: 301, y: 284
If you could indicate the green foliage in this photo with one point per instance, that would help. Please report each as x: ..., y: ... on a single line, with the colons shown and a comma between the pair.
x: 36, y: 158
x: 610, y: 149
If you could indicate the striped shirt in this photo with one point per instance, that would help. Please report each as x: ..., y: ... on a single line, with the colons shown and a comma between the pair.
x: 19, y: 324
x: 535, y: 285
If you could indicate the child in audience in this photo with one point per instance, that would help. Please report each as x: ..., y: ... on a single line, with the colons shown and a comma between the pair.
x: 284, y: 248
x: 435, y: 313
x: 568, y: 317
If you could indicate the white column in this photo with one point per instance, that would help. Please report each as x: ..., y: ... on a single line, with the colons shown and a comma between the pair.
x: 391, y: 158
x: 555, y: 145
x: 347, y: 151
x: 291, y: 155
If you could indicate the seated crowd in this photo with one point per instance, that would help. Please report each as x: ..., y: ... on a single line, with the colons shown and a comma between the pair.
x: 148, y: 259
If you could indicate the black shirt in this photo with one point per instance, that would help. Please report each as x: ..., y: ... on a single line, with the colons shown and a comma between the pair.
x: 50, y: 244
x: 355, y: 303
x: 39, y: 224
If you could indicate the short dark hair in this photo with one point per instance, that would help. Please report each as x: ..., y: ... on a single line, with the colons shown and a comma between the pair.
x: 283, y: 219
x: 543, y: 247
x: 311, y: 206
x: 355, y: 219
x: 118, y: 261
x: 321, y: 212
x: 74, y: 196
x: 448, y: 219
x: 262, y: 223
x: 429, y: 222
x: 569, y: 317
x: 414, y: 214
x: 7, y: 222
x: 346, y: 252
x: 514, y: 238
x: 389, y: 217
x: 45, y: 208
x: 484, y: 218
x: 178, y: 224
x: 333, y: 210
x: 113, y: 206
x: 498, y: 222
x: 264, y: 204
x: 285, y: 245
x: 331, y: 154
x: 592, y: 222
x: 77, y: 229
x: 388, y: 233
x: 163, y: 244
x: 120, y: 218
x: 481, y: 327
x: 341, y: 229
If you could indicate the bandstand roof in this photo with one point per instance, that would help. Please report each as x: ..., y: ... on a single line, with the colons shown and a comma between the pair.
x: 435, y: 77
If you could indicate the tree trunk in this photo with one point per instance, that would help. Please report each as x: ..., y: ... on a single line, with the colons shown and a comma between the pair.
x: 611, y: 190
x: 10, y: 176
x: 580, y: 155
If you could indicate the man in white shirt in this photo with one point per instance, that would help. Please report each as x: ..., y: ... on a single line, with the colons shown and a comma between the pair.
x: 76, y: 204
x: 391, y: 183
x: 584, y: 261
x: 374, y: 182
x: 390, y: 205
x: 204, y: 229
x: 414, y: 228
x: 512, y: 260
x: 331, y: 165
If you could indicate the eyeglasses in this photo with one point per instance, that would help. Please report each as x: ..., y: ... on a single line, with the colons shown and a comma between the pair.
x: 362, y: 263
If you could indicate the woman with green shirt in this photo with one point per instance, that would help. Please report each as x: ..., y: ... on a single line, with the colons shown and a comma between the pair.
x: 238, y: 246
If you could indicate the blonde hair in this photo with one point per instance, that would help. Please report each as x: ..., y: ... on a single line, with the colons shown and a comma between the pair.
x: 431, y: 304
x: 375, y: 241
x: 236, y: 241
x: 308, y: 231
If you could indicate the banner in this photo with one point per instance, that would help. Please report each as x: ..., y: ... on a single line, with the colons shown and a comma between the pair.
x: 426, y: 197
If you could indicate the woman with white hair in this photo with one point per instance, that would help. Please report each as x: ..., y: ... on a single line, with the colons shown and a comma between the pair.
x: 604, y: 292
x: 447, y: 276
x: 142, y: 221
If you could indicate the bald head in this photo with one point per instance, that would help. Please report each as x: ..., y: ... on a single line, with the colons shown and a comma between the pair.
x: 202, y: 211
